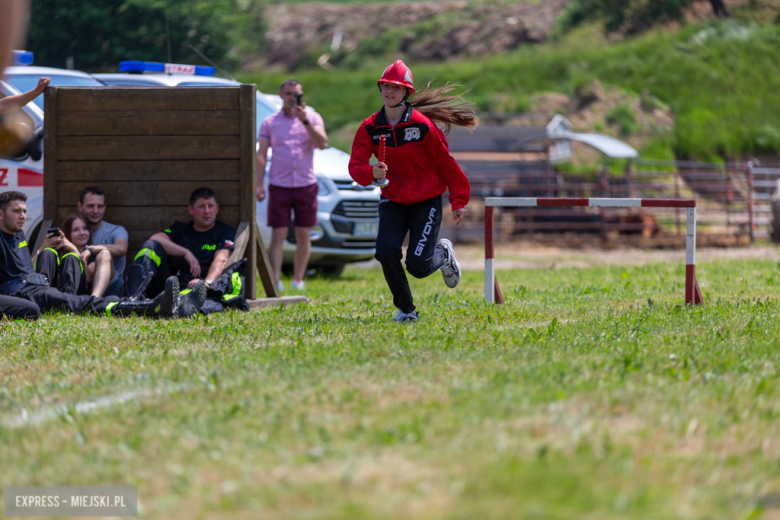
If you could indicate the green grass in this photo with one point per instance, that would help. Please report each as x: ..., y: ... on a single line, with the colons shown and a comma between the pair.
x: 594, y: 393
x: 719, y: 78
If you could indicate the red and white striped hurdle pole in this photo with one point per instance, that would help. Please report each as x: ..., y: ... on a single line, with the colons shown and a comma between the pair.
x: 493, y: 292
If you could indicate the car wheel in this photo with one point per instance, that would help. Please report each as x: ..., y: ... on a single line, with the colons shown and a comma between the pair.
x: 332, y: 271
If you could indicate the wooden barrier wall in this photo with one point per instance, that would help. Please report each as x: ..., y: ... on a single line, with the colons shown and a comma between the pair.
x: 149, y: 148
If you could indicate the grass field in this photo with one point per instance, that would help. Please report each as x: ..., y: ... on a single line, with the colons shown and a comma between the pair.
x: 594, y: 393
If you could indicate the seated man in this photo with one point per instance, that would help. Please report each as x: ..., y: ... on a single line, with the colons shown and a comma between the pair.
x: 196, y: 253
x: 19, y: 279
x: 92, y: 204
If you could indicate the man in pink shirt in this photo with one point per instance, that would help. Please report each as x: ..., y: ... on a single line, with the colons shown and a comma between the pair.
x: 292, y: 133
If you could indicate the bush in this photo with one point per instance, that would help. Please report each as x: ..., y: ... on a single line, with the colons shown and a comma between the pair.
x: 623, y: 116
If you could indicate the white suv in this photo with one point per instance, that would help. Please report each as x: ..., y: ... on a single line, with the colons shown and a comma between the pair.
x: 347, y: 213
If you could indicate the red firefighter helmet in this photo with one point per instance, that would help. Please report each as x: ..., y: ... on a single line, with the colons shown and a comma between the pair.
x: 399, y: 74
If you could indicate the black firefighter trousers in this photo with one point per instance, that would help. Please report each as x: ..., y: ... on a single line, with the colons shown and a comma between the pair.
x: 65, y: 275
x: 227, y: 291
x: 422, y: 221
x: 18, y: 308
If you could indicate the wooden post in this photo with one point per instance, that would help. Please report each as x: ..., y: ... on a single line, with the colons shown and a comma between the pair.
x: 50, y: 197
x: 264, y: 266
x: 248, y: 181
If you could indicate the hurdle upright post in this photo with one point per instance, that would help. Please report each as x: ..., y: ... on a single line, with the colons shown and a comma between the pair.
x: 490, y: 274
x: 692, y: 292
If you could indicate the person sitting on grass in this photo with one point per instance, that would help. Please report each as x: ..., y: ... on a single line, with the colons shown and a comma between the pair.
x: 96, y: 266
x: 19, y: 279
x: 113, y: 238
x: 197, y: 254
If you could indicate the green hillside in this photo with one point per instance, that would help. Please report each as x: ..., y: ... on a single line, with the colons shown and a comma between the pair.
x: 719, y: 78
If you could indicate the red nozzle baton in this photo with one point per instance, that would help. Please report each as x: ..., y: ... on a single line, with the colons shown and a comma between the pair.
x: 381, y: 182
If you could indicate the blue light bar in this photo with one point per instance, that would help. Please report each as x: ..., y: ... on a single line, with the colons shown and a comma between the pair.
x: 138, y: 67
x: 22, y: 58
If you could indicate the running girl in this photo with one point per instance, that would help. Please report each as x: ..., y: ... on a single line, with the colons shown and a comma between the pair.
x: 420, y: 169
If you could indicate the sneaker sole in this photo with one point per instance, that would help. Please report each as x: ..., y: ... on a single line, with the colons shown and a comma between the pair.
x: 202, y: 294
x: 173, y: 282
x: 451, y: 250
x: 190, y: 303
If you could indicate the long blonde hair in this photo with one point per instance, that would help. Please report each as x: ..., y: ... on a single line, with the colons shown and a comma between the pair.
x: 435, y: 103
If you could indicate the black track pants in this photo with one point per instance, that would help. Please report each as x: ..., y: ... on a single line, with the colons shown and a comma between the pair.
x: 51, y: 299
x: 64, y: 271
x: 422, y: 220
x: 18, y: 308
x: 151, y: 258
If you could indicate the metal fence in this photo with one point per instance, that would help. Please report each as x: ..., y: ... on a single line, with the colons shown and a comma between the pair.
x: 764, y: 181
x: 731, y: 199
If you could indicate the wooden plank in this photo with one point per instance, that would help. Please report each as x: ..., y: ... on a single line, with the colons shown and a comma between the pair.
x: 248, y: 157
x: 136, y: 238
x: 248, y: 189
x: 148, y: 122
x: 85, y: 99
x: 158, y: 217
x: 45, y: 226
x: 144, y: 194
x: 242, y: 239
x: 94, y: 172
x: 120, y: 148
x: 50, y: 153
x: 264, y: 303
x: 264, y: 266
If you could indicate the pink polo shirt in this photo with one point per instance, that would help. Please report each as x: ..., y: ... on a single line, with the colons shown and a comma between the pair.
x: 292, y: 160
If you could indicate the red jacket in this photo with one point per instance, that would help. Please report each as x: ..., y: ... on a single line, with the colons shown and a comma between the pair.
x: 419, y: 164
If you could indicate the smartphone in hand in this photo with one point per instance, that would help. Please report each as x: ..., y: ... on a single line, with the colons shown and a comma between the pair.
x: 53, y: 231
x: 299, y: 99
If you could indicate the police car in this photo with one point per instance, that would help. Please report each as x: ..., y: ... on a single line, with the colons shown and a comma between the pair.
x: 21, y: 152
x: 348, y: 214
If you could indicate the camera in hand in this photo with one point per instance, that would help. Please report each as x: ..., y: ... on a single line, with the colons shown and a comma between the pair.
x: 53, y: 231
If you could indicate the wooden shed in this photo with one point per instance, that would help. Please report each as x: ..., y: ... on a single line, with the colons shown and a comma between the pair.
x: 149, y: 148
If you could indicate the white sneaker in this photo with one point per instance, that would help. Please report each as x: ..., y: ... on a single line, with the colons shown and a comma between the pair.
x: 297, y: 285
x: 402, y: 317
x: 280, y: 286
x: 451, y: 268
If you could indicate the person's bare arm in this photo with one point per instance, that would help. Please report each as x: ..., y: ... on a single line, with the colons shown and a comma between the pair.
x: 174, y: 249
x: 262, y: 159
x: 218, y: 265
x: 316, y: 133
x: 93, y: 250
x: 11, y: 103
x: 118, y: 248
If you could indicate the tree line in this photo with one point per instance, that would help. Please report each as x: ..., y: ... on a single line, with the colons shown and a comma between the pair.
x: 98, y: 34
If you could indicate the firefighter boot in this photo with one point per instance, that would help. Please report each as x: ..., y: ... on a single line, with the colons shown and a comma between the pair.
x: 136, y: 276
x: 191, y: 300
x: 165, y: 305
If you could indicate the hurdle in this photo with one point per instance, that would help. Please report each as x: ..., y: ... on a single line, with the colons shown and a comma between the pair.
x: 493, y: 291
